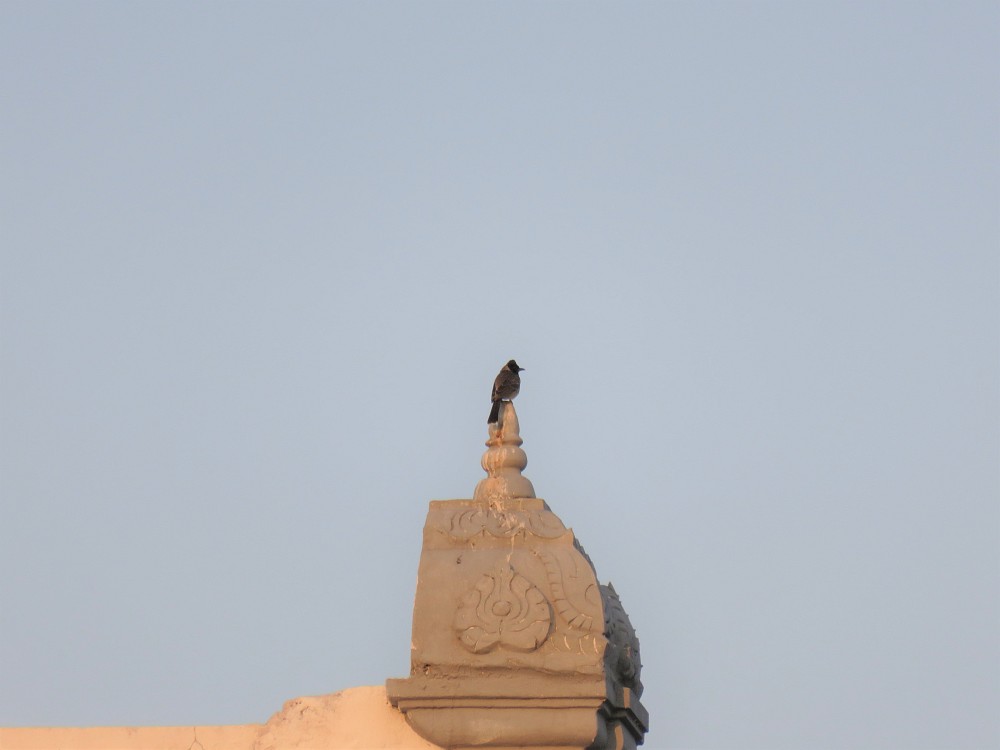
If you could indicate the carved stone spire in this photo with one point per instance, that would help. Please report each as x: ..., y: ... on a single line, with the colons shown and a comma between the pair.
x: 503, y: 461
x: 515, y: 643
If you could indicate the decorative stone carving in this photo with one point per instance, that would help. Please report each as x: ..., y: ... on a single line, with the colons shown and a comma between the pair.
x: 512, y: 628
x: 571, y: 613
x: 504, y: 609
x: 502, y: 522
x: 515, y: 642
x: 622, y: 655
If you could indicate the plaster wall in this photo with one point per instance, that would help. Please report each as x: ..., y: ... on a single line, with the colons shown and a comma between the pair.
x: 356, y: 719
x: 130, y: 738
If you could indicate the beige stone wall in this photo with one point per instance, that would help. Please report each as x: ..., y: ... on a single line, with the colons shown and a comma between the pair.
x: 356, y: 719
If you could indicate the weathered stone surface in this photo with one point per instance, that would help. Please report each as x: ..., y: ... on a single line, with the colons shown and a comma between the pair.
x: 519, y: 710
x: 507, y: 582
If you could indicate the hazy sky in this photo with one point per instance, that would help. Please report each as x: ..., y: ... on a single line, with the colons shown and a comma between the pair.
x: 259, y: 264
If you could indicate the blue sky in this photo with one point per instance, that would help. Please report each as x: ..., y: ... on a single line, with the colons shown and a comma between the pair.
x: 259, y: 264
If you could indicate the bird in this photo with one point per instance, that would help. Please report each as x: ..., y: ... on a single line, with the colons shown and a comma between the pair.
x: 505, y: 387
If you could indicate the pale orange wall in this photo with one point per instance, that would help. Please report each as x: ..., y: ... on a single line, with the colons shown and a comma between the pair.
x: 130, y: 738
x: 356, y: 719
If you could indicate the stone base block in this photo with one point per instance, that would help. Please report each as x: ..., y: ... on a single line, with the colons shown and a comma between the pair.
x: 519, y: 711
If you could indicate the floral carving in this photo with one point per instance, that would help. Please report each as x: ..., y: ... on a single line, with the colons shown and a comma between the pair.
x: 503, y: 609
x: 504, y: 523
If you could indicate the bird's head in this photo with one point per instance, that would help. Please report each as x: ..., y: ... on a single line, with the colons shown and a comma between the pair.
x: 513, y: 366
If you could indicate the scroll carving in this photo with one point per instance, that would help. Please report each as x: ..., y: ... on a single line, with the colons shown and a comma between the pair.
x: 622, y: 655
x: 573, y: 613
x: 503, y: 609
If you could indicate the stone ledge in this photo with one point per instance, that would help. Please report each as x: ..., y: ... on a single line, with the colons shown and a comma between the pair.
x: 521, y: 710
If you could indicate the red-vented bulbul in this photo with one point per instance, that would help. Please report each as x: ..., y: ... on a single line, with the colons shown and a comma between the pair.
x: 505, y: 387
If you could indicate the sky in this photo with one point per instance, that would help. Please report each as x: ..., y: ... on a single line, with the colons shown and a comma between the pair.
x: 260, y: 263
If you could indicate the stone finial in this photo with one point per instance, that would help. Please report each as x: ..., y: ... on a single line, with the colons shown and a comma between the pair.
x: 503, y: 460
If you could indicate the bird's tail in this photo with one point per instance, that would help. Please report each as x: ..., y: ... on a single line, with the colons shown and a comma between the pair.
x: 494, y: 412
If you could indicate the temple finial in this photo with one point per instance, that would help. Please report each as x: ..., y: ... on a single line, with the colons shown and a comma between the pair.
x: 504, y: 460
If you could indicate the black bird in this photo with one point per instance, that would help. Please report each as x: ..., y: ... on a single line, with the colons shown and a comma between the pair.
x: 505, y: 387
